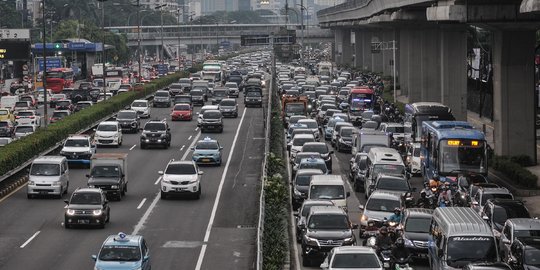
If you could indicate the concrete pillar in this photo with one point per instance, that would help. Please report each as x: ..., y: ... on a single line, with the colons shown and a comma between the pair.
x: 414, y: 65
x: 514, y: 93
x: 403, y: 67
x: 377, y: 57
x: 366, y: 51
x: 358, y: 49
x: 347, y: 53
x: 430, y: 71
x: 453, y: 52
x: 387, y: 37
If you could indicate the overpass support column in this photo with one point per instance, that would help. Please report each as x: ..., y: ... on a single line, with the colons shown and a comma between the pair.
x: 453, y: 52
x: 513, y: 91
x: 367, y: 63
x: 430, y: 72
x: 343, y: 47
x: 387, y: 55
x: 377, y: 57
x: 358, y: 49
x: 414, y: 65
x: 403, y: 48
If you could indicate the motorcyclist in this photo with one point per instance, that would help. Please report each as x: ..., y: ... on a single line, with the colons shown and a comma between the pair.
x: 423, y: 201
x: 384, y: 241
x: 396, y: 216
x: 445, y: 196
x: 399, y: 251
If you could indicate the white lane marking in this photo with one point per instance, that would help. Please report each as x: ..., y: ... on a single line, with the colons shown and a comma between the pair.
x: 190, y: 137
x: 30, y: 239
x: 141, y: 204
x: 157, y: 181
x: 132, y: 147
x: 140, y: 224
x: 182, y: 148
x: 191, y: 146
x: 197, y: 128
x: 218, y: 195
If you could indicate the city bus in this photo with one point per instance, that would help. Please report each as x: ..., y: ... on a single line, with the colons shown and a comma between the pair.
x: 450, y: 147
x: 361, y: 98
x: 60, y: 78
x: 418, y: 112
x: 118, y: 75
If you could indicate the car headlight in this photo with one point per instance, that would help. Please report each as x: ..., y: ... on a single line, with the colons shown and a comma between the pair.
x: 163, y: 180
x: 192, y: 182
x: 349, y: 240
x: 310, y: 240
x: 62, y: 153
x: 70, y: 212
x: 114, y: 186
x: 408, y: 242
x: 364, y: 218
x: 97, y: 212
x: 56, y: 183
x: 31, y: 183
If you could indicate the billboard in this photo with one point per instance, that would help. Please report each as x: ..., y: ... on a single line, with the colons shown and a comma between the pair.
x: 52, y: 62
x: 14, y: 50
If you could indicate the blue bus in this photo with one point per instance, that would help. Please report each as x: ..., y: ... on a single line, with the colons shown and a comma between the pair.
x: 450, y: 147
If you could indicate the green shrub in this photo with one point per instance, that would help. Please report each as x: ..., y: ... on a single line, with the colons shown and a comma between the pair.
x: 514, y: 171
x: 17, y: 153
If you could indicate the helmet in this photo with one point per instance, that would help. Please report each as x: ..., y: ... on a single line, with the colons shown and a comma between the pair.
x: 383, y: 230
x: 397, y: 210
x: 423, y: 193
x: 433, y: 183
x: 400, y: 242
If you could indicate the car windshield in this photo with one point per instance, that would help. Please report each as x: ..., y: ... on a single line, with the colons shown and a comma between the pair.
x: 120, y: 253
x: 304, y: 155
x: 526, y: 233
x: 138, y: 104
x: 347, y: 132
x: 333, y: 122
x: 343, y: 92
x: 227, y: 103
x: 162, y: 94
x: 355, y: 261
x: 180, y: 168
x: 155, y: 126
x: 314, y: 165
x: 418, y: 225
x: 294, y: 108
x: 77, y: 143
x: 393, y: 184
x: 183, y: 107
x: 318, y: 148
x: 253, y: 94
x: 24, y: 129
x: 310, y: 124
x: 532, y: 256
x: 398, y: 129
x: 107, y: 127
x: 220, y: 93
x: 45, y: 169
x: 328, y: 222
x: 327, y: 192
x: 488, y: 196
x: 501, y: 214
x: 58, y: 96
x: 202, y: 145
x: 59, y: 114
x: 21, y: 104
x: 86, y: 198
x: 303, y: 180
x: 307, y: 208
x: 470, y: 249
x: 105, y: 171
x: 127, y: 115
x: 25, y: 114
x: 384, y: 205
x: 3, y: 112
x: 302, y: 141
x: 211, y: 115
x: 388, y: 169
x: 63, y: 103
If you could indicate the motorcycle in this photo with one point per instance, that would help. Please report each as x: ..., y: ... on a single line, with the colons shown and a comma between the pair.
x: 402, y: 263
x: 386, y: 256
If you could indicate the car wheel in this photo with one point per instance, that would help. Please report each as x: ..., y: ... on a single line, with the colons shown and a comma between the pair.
x: 143, y: 146
x: 163, y: 196
x: 120, y: 143
x: 66, y: 225
x: 108, y: 216
x: 306, y: 261
x: 198, y: 194
x: 221, y: 130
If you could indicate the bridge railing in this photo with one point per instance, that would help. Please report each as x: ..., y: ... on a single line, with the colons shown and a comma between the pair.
x: 350, y: 4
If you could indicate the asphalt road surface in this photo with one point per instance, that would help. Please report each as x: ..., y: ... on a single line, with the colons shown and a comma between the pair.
x: 217, y: 231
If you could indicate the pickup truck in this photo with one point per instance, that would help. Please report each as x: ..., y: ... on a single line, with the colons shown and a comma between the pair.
x: 108, y: 171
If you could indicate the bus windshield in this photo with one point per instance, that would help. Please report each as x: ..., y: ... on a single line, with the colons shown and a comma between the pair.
x: 469, y: 155
x: 465, y: 249
x: 294, y: 108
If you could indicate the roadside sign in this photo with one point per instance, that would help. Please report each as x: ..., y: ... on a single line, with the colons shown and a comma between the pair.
x: 52, y: 62
x: 14, y: 34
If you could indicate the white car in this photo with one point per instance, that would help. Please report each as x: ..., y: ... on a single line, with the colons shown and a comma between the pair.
x: 24, y: 130
x: 41, y: 95
x: 142, y: 107
x: 181, y: 178
x: 108, y: 133
x: 27, y: 117
x: 203, y: 109
x: 298, y: 141
x: 311, y: 124
x: 352, y: 257
x: 413, y: 158
x: 78, y: 149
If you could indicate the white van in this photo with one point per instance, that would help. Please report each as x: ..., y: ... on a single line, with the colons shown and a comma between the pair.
x: 8, y: 101
x: 49, y: 175
x: 329, y: 187
x: 382, y: 160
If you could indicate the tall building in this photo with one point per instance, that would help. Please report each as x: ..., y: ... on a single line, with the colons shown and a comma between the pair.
x: 244, y: 4
x: 210, y: 6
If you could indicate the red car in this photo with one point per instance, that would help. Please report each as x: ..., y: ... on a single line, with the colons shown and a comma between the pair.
x: 182, y: 111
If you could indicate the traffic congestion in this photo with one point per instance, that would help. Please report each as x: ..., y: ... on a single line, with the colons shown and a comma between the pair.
x: 376, y: 187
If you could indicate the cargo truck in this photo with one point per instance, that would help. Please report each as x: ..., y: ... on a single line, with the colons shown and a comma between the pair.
x: 108, y: 171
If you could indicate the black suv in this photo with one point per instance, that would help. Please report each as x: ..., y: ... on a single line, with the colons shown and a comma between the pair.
x: 128, y: 120
x: 162, y: 98
x: 326, y: 227
x: 524, y: 253
x: 497, y: 211
x: 156, y: 132
x: 212, y: 120
x: 110, y: 178
x: 87, y: 206
x: 198, y: 96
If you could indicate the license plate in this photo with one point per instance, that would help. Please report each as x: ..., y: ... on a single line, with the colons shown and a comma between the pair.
x: 210, y: 126
x: 83, y: 221
x: 205, y: 160
x: 74, y: 157
x: 180, y: 189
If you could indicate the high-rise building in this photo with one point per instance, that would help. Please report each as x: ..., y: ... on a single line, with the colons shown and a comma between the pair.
x: 244, y: 4
x: 211, y: 6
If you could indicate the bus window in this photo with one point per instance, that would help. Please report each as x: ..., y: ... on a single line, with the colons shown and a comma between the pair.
x: 462, y: 155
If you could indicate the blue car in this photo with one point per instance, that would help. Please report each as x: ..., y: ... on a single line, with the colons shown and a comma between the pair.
x: 329, y: 128
x: 207, y: 151
x: 123, y: 251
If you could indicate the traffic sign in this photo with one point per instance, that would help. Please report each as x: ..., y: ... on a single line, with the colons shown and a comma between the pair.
x: 52, y: 62
x: 14, y: 34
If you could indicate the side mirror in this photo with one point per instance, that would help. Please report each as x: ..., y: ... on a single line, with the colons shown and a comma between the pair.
x: 192, y: 148
x: 66, y: 201
x: 475, y: 203
x: 94, y: 257
x: 348, y: 194
x: 361, y: 207
x: 94, y: 129
x: 485, y: 217
x: 201, y: 172
x: 146, y: 258
x: 221, y: 148
x: 331, y: 152
x: 160, y: 172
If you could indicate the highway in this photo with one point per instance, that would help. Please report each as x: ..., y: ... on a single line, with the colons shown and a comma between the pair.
x: 219, y: 229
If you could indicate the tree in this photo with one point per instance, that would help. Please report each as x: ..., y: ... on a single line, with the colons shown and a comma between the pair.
x: 225, y: 17
x: 10, y: 18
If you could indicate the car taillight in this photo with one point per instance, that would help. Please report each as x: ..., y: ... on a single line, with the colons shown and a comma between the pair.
x: 17, y: 117
x: 31, y: 117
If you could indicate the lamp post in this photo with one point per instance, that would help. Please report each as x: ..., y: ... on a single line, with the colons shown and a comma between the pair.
x: 191, y: 37
x: 103, y: 53
x: 44, y: 77
x: 139, y: 62
x: 302, y: 8
x: 179, y: 33
x: 160, y: 7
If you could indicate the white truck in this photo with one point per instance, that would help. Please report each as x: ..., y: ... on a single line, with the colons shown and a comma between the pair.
x: 108, y: 171
x: 365, y: 140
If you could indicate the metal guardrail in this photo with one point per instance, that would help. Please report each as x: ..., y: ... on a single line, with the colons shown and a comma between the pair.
x: 267, y: 117
x: 349, y: 4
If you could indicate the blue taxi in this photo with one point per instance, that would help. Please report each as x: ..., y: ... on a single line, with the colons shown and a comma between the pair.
x: 313, y: 163
x: 123, y: 251
x: 207, y: 151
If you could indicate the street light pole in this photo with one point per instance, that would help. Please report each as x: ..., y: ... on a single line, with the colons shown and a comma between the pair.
x: 179, y: 33
x: 103, y: 53
x: 191, y: 37
x: 162, y: 46
x: 139, y: 41
x: 44, y: 77
x: 302, y: 31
